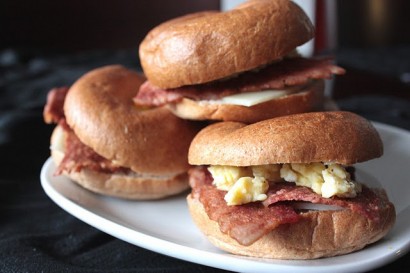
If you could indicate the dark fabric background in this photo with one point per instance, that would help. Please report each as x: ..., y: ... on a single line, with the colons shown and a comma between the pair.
x: 38, y: 236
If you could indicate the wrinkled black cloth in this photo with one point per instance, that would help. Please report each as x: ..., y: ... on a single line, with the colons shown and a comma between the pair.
x: 38, y: 236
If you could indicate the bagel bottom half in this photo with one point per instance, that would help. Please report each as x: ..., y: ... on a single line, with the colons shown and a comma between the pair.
x: 130, y: 185
x: 311, y: 98
x: 318, y: 234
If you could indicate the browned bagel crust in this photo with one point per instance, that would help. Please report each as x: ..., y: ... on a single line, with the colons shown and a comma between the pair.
x: 206, y: 46
x: 336, y: 136
x: 309, y: 100
x: 317, y: 234
x: 99, y: 109
x: 123, y: 185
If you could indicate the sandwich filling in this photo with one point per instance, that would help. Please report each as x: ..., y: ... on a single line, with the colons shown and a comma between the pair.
x: 250, y: 184
x: 279, y: 77
x: 248, y: 222
x: 249, y: 99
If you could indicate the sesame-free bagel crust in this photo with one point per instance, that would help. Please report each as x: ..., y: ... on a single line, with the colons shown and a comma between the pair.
x: 206, y: 46
x: 128, y: 185
x: 99, y: 109
x: 318, y: 234
x: 335, y: 136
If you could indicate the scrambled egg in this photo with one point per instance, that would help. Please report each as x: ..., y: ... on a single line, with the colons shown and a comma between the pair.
x: 326, y: 180
x: 250, y: 184
x: 244, y: 184
x: 226, y: 176
x: 307, y: 175
x: 269, y: 172
x: 338, y: 182
x: 246, y: 190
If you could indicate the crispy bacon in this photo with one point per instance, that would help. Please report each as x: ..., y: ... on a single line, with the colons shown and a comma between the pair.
x: 367, y: 203
x: 78, y: 156
x: 53, y: 111
x: 247, y: 223
x: 286, y: 73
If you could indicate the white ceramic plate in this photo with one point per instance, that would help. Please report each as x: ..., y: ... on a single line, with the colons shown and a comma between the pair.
x: 165, y: 226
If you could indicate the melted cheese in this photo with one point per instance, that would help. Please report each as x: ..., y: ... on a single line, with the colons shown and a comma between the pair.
x: 58, y: 143
x: 251, y: 98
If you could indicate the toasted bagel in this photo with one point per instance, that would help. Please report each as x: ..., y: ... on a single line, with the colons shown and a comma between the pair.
x: 334, y: 136
x: 107, y: 145
x: 280, y: 188
x: 128, y: 185
x: 318, y: 234
x: 206, y: 46
x: 99, y: 109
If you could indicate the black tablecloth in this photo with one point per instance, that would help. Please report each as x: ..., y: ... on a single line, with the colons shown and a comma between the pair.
x: 38, y: 236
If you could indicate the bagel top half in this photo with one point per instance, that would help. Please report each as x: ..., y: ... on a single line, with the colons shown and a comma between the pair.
x: 206, y: 46
x: 333, y: 137
x: 99, y: 109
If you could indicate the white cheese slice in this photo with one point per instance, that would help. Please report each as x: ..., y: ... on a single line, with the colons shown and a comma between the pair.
x: 251, y: 98
x: 58, y: 143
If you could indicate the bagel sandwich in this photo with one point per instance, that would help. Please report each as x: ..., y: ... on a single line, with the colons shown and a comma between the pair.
x: 108, y: 146
x: 239, y: 65
x: 284, y: 188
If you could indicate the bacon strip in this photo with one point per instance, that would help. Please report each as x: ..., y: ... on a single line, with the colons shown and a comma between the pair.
x: 78, y: 156
x: 247, y: 223
x: 53, y: 111
x: 286, y: 73
x: 367, y: 203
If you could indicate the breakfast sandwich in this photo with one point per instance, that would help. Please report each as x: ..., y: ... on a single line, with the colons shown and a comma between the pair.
x: 239, y: 65
x: 107, y: 145
x: 285, y: 188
